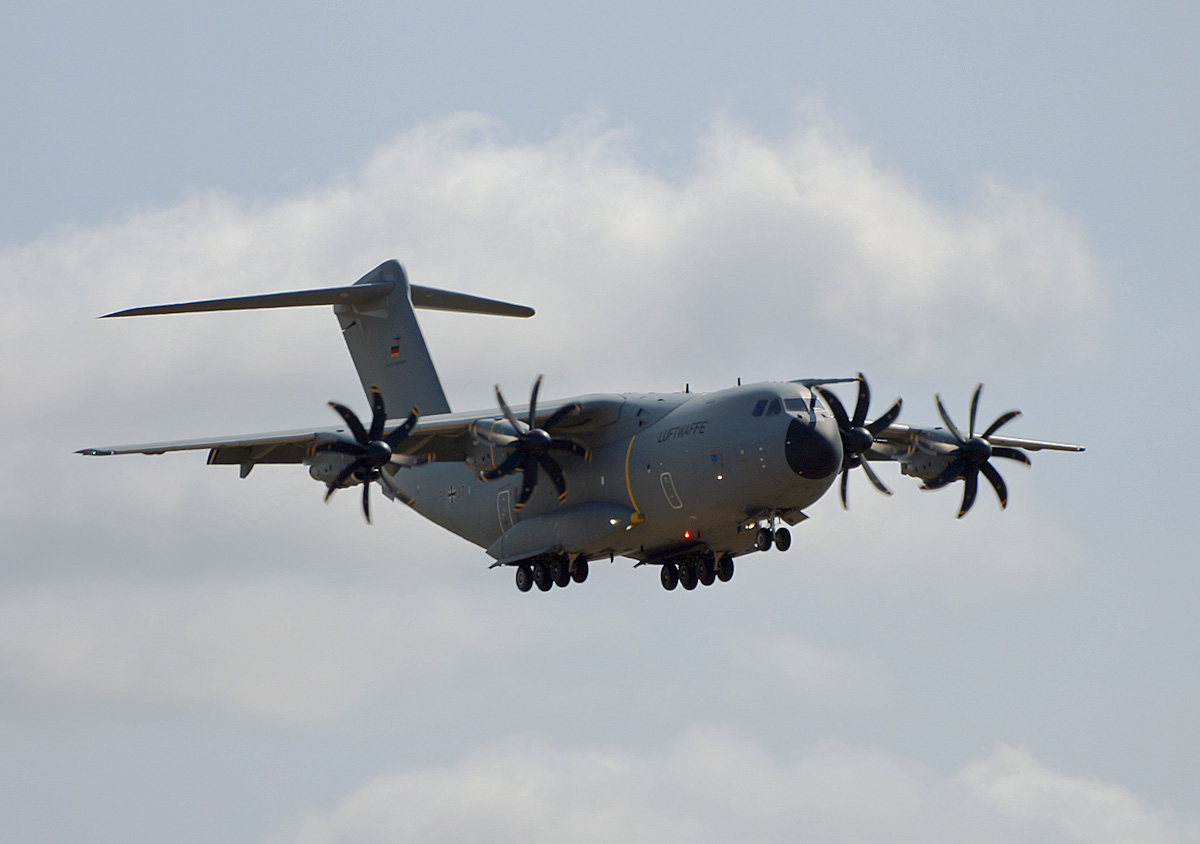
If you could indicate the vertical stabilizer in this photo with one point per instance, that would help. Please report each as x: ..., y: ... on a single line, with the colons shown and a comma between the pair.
x: 387, y: 347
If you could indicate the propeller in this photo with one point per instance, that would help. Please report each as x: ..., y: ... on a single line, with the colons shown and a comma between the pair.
x: 531, y: 446
x: 372, y: 448
x: 973, y: 453
x: 858, y: 435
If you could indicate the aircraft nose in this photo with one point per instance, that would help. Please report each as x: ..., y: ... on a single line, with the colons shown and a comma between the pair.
x: 812, y: 451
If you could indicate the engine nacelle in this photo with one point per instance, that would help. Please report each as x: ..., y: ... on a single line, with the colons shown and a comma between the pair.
x: 484, y: 456
x: 325, y: 466
x: 930, y: 452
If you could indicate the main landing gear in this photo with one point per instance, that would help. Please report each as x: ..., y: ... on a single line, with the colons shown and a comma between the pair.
x: 701, y: 567
x: 554, y: 570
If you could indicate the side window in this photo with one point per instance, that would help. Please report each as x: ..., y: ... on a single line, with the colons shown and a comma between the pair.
x: 775, y: 408
x: 760, y: 407
x: 795, y: 406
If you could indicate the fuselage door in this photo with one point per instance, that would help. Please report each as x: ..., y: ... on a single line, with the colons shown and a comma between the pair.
x: 668, y: 487
x: 504, y: 510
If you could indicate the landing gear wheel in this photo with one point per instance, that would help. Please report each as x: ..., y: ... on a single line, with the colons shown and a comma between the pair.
x: 687, y: 576
x: 764, y: 539
x: 725, y: 568
x: 560, y: 572
x: 669, y: 575
x: 541, y: 576
x: 783, y: 539
x: 706, y: 569
x: 524, y: 577
x: 580, y: 572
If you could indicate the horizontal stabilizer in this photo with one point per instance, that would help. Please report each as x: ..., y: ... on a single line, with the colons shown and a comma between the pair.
x: 422, y: 297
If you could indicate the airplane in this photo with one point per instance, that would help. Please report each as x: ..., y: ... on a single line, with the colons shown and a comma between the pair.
x: 685, y: 481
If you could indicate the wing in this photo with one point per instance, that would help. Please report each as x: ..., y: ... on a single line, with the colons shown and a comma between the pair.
x: 443, y: 438
x: 904, y: 436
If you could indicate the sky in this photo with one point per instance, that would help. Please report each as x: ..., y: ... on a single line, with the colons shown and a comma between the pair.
x: 934, y: 195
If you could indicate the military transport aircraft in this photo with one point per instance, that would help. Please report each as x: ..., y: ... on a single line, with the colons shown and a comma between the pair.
x: 685, y: 481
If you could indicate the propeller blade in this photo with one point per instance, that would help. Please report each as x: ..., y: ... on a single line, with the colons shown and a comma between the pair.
x: 378, y: 415
x: 863, y: 402
x: 835, y: 404
x: 367, y: 500
x: 845, y: 480
x: 950, y: 426
x: 537, y: 386
x: 510, y: 465
x: 351, y: 420
x: 343, y: 476
x: 874, y: 479
x: 974, y: 408
x: 403, y: 430
x: 1011, y: 454
x: 950, y: 475
x: 572, y: 446
x: 528, y: 482
x: 971, y: 486
x: 561, y: 414
x: 1003, y: 419
x: 989, y: 472
x: 410, y: 459
x: 883, y: 422
x: 507, y: 411
x: 555, y: 472
x: 492, y: 437
x: 341, y: 447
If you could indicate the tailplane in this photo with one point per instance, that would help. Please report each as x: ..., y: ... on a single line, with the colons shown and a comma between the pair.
x: 379, y: 326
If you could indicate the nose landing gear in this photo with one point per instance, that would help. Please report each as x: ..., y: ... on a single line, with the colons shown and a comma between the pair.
x: 781, y: 538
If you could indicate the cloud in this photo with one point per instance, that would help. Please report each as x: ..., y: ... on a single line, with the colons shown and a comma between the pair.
x: 792, y: 245
x: 765, y: 259
x: 1030, y: 796
x: 711, y: 785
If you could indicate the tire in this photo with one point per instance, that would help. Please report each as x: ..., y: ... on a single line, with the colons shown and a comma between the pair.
x: 580, y: 572
x: 560, y: 571
x: 524, y: 578
x: 725, y: 568
x: 706, y: 569
x: 541, y: 576
x: 669, y: 576
x: 764, y: 539
x: 687, y: 576
x: 783, y: 539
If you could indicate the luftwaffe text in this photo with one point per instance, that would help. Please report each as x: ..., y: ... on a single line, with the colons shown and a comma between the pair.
x: 682, y: 431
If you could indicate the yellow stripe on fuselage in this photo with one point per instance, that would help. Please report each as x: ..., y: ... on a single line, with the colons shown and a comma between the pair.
x: 637, y: 514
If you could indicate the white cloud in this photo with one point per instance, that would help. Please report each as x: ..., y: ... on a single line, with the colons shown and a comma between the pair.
x: 1032, y: 796
x: 768, y: 258
x: 714, y: 786
x: 786, y: 246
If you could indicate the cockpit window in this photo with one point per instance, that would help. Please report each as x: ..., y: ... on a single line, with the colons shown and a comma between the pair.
x: 760, y: 407
x: 795, y: 405
x: 774, y: 408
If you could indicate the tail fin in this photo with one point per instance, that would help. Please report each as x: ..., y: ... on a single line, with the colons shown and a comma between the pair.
x: 387, y: 347
x: 379, y: 327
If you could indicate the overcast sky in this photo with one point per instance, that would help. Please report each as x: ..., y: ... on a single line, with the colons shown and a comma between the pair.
x: 934, y: 196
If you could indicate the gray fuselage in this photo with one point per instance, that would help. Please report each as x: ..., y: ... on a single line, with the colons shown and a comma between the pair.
x: 670, y: 470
